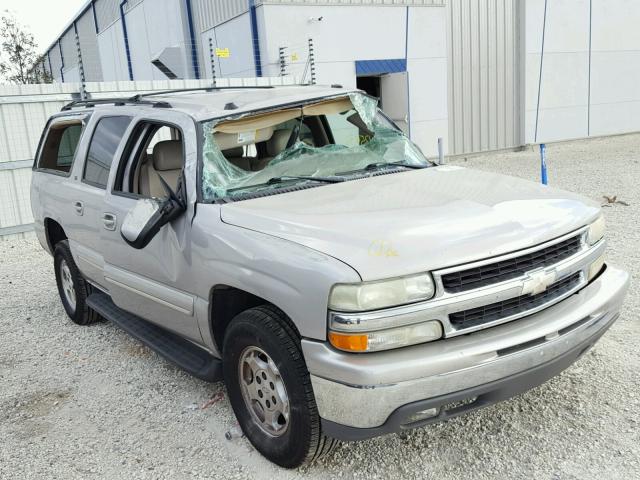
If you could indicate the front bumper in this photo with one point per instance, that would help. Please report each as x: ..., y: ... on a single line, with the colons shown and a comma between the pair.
x: 365, y: 395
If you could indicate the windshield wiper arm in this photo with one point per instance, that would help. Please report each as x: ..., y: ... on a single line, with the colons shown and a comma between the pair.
x: 374, y: 166
x: 377, y: 165
x: 297, y: 177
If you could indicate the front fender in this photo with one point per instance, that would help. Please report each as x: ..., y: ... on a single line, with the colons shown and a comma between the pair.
x: 295, y: 278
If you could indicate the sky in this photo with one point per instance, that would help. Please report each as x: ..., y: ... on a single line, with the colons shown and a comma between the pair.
x: 45, y: 19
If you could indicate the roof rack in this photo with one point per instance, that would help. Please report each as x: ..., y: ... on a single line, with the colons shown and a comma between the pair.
x: 208, y: 89
x: 119, y: 101
x: 139, y: 99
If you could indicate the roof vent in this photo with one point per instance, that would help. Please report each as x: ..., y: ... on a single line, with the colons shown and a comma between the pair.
x: 230, y: 106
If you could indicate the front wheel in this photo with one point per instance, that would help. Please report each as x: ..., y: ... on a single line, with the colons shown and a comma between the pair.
x: 270, y: 389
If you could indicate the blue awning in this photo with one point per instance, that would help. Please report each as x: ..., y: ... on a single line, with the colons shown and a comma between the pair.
x: 379, y: 67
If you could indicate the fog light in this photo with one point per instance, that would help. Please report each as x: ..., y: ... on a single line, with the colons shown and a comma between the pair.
x: 421, y: 415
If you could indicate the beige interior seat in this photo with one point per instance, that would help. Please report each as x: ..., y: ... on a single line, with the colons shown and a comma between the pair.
x: 236, y: 157
x: 275, y: 145
x: 167, y: 160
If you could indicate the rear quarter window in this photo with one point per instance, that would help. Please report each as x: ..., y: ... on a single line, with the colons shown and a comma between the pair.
x: 106, y: 138
x: 60, y: 145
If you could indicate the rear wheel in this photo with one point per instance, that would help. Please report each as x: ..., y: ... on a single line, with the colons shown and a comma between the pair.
x: 270, y: 389
x: 72, y: 287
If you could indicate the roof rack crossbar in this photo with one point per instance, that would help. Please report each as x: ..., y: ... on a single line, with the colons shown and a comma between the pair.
x: 117, y: 101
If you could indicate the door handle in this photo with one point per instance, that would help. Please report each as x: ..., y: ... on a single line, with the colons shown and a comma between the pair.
x: 79, y: 208
x: 109, y: 221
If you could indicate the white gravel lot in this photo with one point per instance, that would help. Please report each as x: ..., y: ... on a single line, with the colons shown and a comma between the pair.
x: 93, y: 403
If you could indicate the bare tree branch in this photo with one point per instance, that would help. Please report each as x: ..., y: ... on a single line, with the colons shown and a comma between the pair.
x: 19, y: 61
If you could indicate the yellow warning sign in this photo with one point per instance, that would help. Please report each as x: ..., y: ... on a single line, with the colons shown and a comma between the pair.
x: 294, y: 57
x: 222, y: 53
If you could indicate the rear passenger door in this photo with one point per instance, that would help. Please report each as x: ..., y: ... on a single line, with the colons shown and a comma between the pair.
x: 154, y: 282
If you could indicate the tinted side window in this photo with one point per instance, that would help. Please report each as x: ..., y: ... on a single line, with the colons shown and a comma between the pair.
x: 104, y: 143
x: 60, y: 146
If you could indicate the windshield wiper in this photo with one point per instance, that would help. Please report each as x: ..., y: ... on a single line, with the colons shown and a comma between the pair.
x: 375, y: 166
x: 286, y: 178
x: 378, y: 165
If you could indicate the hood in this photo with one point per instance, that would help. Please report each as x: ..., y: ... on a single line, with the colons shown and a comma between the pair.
x: 419, y: 220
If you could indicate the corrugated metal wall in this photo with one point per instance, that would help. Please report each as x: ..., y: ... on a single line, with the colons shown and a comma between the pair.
x: 56, y: 61
x: 107, y: 12
x: 484, y: 75
x: 69, y: 49
x: 89, y: 47
x: 208, y: 14
x: 357, y: 2
x: 131, y: 3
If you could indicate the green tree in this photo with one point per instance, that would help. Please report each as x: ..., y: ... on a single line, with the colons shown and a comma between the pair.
x: 19, y: 60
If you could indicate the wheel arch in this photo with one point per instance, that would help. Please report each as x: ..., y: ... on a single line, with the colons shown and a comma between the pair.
x: 225, y: 302
x: 54, y: 233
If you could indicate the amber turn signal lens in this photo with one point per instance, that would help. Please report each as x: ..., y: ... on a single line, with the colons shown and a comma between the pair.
x: 350, y: 343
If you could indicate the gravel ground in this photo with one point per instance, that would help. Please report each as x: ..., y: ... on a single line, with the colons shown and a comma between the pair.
x: 93, y: 403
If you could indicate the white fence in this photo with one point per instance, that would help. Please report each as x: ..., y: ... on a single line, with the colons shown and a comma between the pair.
x: 24, y: 110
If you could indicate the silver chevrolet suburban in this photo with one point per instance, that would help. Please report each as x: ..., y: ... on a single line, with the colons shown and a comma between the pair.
x: 295, y: 243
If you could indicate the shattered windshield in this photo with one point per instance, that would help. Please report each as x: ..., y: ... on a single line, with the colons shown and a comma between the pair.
x: 330, y: 141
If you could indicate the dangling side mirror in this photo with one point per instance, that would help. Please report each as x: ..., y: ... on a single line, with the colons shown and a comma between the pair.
x: 149, y: 215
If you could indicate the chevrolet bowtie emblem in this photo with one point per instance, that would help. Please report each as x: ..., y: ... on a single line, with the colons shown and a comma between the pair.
x: 538, y: 282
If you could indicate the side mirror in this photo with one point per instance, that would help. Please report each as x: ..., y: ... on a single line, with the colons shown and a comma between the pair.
x: 149, y: 215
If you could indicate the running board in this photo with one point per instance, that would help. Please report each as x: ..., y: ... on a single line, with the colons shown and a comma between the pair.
x: 174, y: 348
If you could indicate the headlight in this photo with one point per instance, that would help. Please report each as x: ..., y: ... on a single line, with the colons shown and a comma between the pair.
x: 360, y: 297
x: 596, y: 231
x: 387, y: 339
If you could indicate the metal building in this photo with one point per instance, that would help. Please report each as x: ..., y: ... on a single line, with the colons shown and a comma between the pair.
x: 482, y: 74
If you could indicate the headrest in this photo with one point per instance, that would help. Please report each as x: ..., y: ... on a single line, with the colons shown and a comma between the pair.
x: 167, y: 155
x: 278, y: 142
x: 233, y: 152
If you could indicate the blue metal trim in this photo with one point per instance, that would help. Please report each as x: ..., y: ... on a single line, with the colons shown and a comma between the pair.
x: 95, y: 17
x: 126, y: 39
x: 589, y: 85
x: 256, y: 40
x: 194, y: 52
x: 50, y: 69
x: 379, y: 67
x: 61, y: 59
x: 543, y: 164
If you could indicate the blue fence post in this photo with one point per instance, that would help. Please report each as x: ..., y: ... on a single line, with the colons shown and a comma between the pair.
x: 543, y: 163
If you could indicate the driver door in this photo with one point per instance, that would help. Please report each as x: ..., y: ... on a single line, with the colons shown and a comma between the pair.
x: 152, y: 282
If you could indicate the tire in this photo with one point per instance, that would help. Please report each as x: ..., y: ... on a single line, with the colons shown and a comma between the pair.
x: 72, y: 287
x: 297, y: 439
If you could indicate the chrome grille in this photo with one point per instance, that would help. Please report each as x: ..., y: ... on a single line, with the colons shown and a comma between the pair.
x: 484, y: 275
x: 514, y: 306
